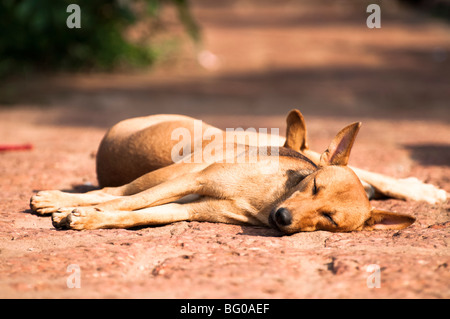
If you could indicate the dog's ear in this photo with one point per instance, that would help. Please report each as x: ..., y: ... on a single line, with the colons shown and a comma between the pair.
x: 380, y: 219
x: 339, y: 150
x: 295, y: 131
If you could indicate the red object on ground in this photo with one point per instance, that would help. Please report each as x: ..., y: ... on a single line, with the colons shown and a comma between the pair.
x: 15, y: 147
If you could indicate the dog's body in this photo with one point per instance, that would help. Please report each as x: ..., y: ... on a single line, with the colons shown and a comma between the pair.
x: 293, y: 189
x: 140, y: 145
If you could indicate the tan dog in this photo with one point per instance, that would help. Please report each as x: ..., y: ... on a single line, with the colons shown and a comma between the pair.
x: 250, y: 185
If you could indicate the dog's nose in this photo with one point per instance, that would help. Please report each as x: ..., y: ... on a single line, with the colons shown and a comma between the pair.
x: 283, y: 217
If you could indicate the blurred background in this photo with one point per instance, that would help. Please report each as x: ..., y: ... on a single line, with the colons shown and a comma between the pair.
x: 237, y: 57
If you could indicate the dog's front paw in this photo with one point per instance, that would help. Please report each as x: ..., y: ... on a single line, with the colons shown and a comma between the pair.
x: 420, y: 191
x: 85, y: 218
x: 59, y: 218
x: 47, y: 202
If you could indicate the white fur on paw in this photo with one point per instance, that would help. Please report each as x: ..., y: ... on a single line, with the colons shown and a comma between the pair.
x: 420, y: 191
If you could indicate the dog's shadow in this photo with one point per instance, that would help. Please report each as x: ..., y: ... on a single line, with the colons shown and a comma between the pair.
x: 77, y: 188
x: 81, y: 188
x: 430, y: 154
x: 259, y: 231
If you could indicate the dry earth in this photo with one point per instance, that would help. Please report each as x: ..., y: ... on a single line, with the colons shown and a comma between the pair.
x: 320, y: 58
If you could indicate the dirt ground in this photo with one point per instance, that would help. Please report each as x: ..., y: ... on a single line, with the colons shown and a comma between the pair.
x: 268, y: 58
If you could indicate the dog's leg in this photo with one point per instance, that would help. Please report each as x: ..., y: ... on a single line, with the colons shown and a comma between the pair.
x: 407, y: 188
x: 370, y: 191
x: 217, y: 204
x: 159, y: 176
x: 47, y: 202
x: 205, y: 209
x: 160, y: 194
x: 92, y: 218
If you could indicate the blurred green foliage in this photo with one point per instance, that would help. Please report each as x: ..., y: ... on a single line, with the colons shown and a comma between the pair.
x: 437, y: 8
x: 34, y: 34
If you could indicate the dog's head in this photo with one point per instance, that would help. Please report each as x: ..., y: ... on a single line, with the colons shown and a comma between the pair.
x: 332, y: 198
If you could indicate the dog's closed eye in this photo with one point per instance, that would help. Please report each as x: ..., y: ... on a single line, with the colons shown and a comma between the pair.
x: 314, y: 188
x: 330, y: 219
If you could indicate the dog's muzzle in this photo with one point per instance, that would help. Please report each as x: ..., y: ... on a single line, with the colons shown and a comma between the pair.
x: 279, y: 218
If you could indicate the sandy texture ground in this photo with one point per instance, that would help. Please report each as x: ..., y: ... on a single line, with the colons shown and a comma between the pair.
x: 320, y: 58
